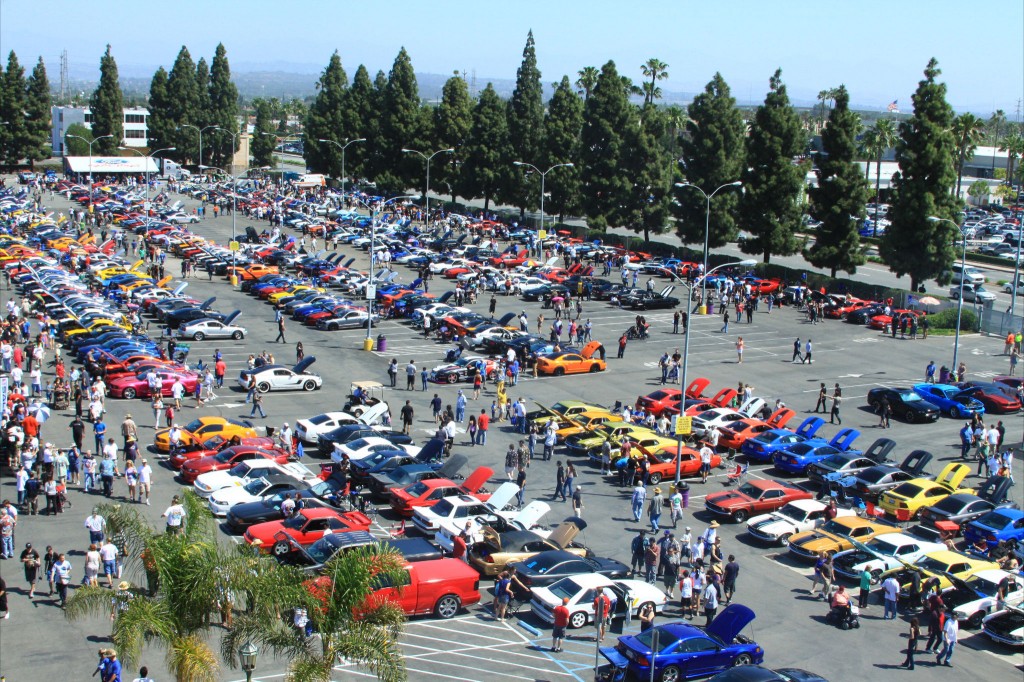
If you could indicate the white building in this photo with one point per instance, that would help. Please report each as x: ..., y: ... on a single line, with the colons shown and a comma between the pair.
x: 61, y: 118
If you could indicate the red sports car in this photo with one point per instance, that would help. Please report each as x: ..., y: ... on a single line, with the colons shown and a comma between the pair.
x: 227, y: 458
x: 137, y: 386
x: 426, y: 492
x: 752, y: 498
x: 840, y: 311
x: 736, y: 433
x: 212, y: 447
x: 304, y: 528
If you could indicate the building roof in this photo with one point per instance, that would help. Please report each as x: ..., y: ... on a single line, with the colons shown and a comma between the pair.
x: 111, y: 164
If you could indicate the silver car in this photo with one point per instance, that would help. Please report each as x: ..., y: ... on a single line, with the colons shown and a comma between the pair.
x: 208, y: 328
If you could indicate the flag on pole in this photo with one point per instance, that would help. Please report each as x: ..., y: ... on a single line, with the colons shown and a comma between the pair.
x: 893, y: 107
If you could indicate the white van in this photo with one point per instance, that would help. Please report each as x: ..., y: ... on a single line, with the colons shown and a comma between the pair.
x: 968, y: 274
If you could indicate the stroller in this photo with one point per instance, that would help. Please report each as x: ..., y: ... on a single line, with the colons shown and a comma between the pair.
x: 638, y: 333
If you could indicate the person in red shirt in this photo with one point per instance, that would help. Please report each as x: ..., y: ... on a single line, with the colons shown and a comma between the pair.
x: 30, y: 425
x: 481, y: 427
x: 605, y: 609
x: 219, y: 370
x: 561, y: 614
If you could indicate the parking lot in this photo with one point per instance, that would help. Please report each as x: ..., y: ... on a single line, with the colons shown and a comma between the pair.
x: 789, y: 625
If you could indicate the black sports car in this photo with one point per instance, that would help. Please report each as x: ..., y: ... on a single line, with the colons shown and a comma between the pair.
x: 545, y: 292
x: 906, y: 404
x: 551, y: 566
x: 864, y: 315
x: 649, y: 300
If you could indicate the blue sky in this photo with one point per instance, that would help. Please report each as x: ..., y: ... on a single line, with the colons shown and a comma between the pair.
x: 877, y: 49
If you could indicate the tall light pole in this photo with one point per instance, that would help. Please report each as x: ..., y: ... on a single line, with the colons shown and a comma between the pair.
x: 343, y: 147
x: 90, y: 143
x: 450, y: 150
x: 707, y: 230
x: 543, y: 176
x: 686, y: 351
x: 960, y: 298
x: 146, y: 170
x: 234, y: 209
x: 209, y: 127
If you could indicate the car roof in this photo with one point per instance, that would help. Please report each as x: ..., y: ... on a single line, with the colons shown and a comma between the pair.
x: 807, y: 505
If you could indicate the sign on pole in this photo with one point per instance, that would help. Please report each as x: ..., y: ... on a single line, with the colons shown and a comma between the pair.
x: 3, y: 390
x: 233, y: 245
x: 684, y: 426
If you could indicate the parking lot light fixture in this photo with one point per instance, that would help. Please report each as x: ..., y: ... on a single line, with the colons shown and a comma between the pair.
x: 960, y: 298
x: 146, y: 169
x: 247, y: 654
x: 209, y: 127
x: 543, y: 176
x: 707, y: 222
x: 343, y: 147
x: 90, y: 143
x: 426, y: 197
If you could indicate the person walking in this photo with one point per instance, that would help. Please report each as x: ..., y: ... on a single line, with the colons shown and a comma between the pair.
x: 729, y: 575
x: 559, y: 481
x: 891, y: 591
x: 950, y: 636
x: 822, y: 404
x: 622, y: 346
x: 837, y: 400
x: 637, y: 500
x: 257, y: 404
x: 739, y: 351
x: 280, y: 331
x: 407, y: 417
x: 59, y: 576
x: 709, y: 596
x: 570, y: 478
x: 561, y: 621
x: 393, y: 372
x: 912, y: 636
x: 807, y: 354
x: 725, y: 322
x: 410, y: 376
x: 654, y: 509
x: 796, y: 351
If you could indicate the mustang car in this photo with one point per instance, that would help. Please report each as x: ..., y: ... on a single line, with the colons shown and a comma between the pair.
x: 753, y: 497
x: 280, y: 378
x: 796, y: 517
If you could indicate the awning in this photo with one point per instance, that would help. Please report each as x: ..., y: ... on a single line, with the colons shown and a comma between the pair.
x: 111, y: 164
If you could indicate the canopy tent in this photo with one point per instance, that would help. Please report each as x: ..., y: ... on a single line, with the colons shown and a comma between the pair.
x: 105, y: 165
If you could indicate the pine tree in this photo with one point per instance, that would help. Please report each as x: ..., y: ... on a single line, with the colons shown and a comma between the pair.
x: 644, y: 205
x: 842, y: 192
x: 483, y: 167
x: 183, y: 106
x: 203, y: 118
x: 400, y: 128
x: 926, y: 152
x: 563, y: 123
x: 37, y: 115
x: 713, y: 155
x: 107, y: 107
x: 772, y: 182
x: 160, y: 127
x: 361, y: 119
x: 606, y: 115
x: 264, y: 141
x: 12, y: 111
x: 453, y: 120
x: 224, y: 113
x: 324, y: 120
x: 526, y: 130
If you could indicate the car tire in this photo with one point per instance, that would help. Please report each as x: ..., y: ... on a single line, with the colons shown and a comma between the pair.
x: 263, y: 387
x: 654, y: 479
x: 280, y: 548
x: 671, y: 673
x: 740, y: 516
x: 784, y: 539
x: 594, y: 368
x: 129, y: 394
x: 578, y: 620
x: 447, y: 607
x: 198, y: 336
x: 910, y: 416
x: 742, y: 659
x: 309, y: 385
x: 237, y: 336
x: 452, y: 378
x: 559, y: 371
x: 974, y: 621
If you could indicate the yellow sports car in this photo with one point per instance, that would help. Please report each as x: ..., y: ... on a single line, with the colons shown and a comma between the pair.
x: 943, y: 564
x: 584, y: 421
x: 836, y: 536
x: 200, y: 431
x: 291, y: 291
x: 908, y: 498
x: 561, y: 411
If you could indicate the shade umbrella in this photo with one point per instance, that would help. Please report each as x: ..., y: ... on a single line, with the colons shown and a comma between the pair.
x: 928, y: 300
x: 40, y: 411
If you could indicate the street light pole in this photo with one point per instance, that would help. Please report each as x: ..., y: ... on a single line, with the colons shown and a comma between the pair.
x: 214, y: 127
x: 543, y: 177
x: 707, y: 228
x: 146, y: 169
x: 450, y: 150
x: 343, y: 147
x: 960, y: 298
x: 90, y: 143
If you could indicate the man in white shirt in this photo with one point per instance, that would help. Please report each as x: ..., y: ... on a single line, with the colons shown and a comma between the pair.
x: 175, y: 515
x: 710, y: 598
x: 950, y: 635
x: 145, y: 479
x: 706, y: 453
x: 19, y: 481
x: 108, y: 555
x: 97, y: 526
x: 110, y: 449
x: 891, y: 591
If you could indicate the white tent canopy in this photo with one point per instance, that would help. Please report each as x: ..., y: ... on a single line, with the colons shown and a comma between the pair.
x: 104, y: 165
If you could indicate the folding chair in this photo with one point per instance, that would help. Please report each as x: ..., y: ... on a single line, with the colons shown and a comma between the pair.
x: 737, y: 475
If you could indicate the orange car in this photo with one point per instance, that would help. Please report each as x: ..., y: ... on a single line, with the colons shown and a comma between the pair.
x: 661, y: 462
x: 205, y: 431
x: 721, y: 399
x: 254, y: 271
x: 567, y: 362
x: 736, y: 433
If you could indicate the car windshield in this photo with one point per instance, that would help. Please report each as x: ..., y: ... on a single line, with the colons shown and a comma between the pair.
x: 931, y: 564
x: 321, y: 551
x: 224, y: 456
x: 836, y: 528
x: 983, y: 585
x: 910, y: 397
x: 194, y: 425
x: 768, y: 437
x: 358, y: 444
x: 319, y: 419
x: 883, y: 547
x: 665, y: 639
x: 749, y: 490
x: 417, y: 489
x: 995, y: 519
x: 256, y: 487
x: 566, y: 588
x: 240, y: 469
x: 791, y: 511
x: 443, y: 507
x: 295, y: 522
x: 835, y: 462
x: 908, y: 490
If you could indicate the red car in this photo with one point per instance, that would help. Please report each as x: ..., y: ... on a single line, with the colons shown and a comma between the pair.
x: 720, y: 399
x: 227, y: 458
x: 427, y: 492
x: 736, y: 433
x: 508, y: 261
x: 667, y: 399
x: 137, y: 386
x: 839, y: 312
x: 212, y: 447
x: 763, y: 286
x: 113, y: 370
x: 883, y: 321
x: 753, y: 498
x: 304, y: 528
x: 996, y: 397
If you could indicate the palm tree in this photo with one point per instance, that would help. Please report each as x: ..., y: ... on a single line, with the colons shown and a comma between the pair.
x: 587, y: 80
x: 1013, y: 145
x: 346, y: 620
x: 996, y: 122
x: 656, y: 70
x: 877, y: 141
x: 968, y: 130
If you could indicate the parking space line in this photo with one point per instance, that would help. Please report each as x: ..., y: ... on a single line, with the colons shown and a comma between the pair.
x: 444, y: 629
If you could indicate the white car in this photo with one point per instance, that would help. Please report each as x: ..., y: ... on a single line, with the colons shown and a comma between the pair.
x: 364, y: 447
x: 208, y: 328
x: 309, y: 430
x: 244, y: 472
x: 723, y: 416
x: 281, y: 378
x: 462, y: 508
x: 1005, y: 626
x: 181, y: 217
x: 346, y: 319
x: 266, y: 485
x: 581, y: 590
x: 493, y: 334
x: 438, y: 268
x: 796, y: 517
x: 882, y: 554
x: 976, y: 597
x: 524, y: 519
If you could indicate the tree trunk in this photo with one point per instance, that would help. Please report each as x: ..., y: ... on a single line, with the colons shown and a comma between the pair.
x: 487, y: 202
x: 767, y: 256
x: 878, y: 194
x: 647, y: 237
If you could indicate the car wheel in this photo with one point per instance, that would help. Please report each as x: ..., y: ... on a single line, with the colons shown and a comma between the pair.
x: 447, y: 606
x: 910, y: 416
x: 263, y: 387
x: 559, y: 371
x: 129, y: 393
x: 655, y: 479
x: 332, y: 327
x: 198, y: 336
x: 974, y: 622
x: 670, y: 674
x: 740, y: 516
x: 595, y: 368
x: 280, y: 548
x: 237, y: 336
x: 578, y: 620
x: 957, y: 412
x: 452, y: 378
x: 742, y: 659
x: 784, y: 540
x: 309, y: 385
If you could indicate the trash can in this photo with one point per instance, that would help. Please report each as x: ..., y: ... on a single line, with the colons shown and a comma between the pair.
x: 684, y: 490
x: 703, y: 310
x: 367, y: 344
x: 382, y: 343
x: 710, y: 308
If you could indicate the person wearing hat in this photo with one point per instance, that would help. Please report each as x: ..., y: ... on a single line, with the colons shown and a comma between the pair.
x: 561, y: 620
x: 654, y: 508
x: 708, y: 538
x: 30, y: 560
x: 121, y: 598
x: 129, y: 430
x: 112, y: 672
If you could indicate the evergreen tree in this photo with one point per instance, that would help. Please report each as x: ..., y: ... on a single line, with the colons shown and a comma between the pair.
x: 453, y: 120
x: 842, y: 192
x: 37, y: 115
x: 526, y: 130
x: 606, y: 115
x: 360, y: 120
x: 644, y: 205
x: 926, y: 152
x: 400, y: 128
x: 107, y: 107
x: 203, y: 117
x: 183, y: 106
x: 324, y: 120
x: 772, y: 182
x: 160, y: 126
x: 76, y: 139
x: 562, y: 125
x: 223, y: 110
x: 264, y: 140
x: 487, y: 149
x: 712, y: 155
x: 12, y: 111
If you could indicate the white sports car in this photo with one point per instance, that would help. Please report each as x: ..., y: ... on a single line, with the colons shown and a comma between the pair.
x: 208, y: 328
x: 462, y: 508
x: 364, y: 447
x: 243, y: 473
x: 524, y: 519
x: 280, y: 378
x: 796, y: 517
x: 631, y: 595
x: 266, y: 485
x: 309, y: 430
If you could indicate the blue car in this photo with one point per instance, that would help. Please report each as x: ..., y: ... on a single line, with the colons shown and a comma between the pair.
x: 796, y: 458
x: 687, y: 651
x: 952, y: 400
x: 1006, y: 523
x: 764, y: 445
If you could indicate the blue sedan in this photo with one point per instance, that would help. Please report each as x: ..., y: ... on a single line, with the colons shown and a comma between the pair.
x: 796, y: 458
x: 952, y: 400
x: 999, y: 524
x: 687, y: 651
x: 764, y: 445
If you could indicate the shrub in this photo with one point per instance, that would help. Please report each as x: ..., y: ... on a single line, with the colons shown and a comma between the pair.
x: 946, y: 319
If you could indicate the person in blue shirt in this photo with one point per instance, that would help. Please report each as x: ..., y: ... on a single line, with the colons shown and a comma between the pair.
x: 99, y: 429
x: 966, y: 440
x: 112, y: 671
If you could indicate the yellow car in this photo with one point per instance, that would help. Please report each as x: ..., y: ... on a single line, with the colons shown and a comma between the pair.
x: 561, y: 411
x: 291, y: 291
x: 568, y: 362
x: 943, y: 564
x: 584, y: 421
x: 584, y: 443
x: 836, y: 536
x: 202, y: 430
x: 497, y: 549
x: 75, y: 328
x: 908, y: 498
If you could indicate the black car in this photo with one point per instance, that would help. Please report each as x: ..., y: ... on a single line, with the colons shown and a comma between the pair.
x: 385, y: 461
x: 186, y: 315
x: 381, y: 484
x: 545, y: 292
x: 864, y: 315
x: 313, y: 558
x: 755, y: 673
x: 960, y: 508
x: 906, y: 404
x: 649, y: 300
x: 323, y: 494
x: 349, y: 432
x: 607, y: 293
x: 551, y: 566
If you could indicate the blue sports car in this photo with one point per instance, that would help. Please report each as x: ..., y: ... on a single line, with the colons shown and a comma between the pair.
x: 686, y: 651
x: 952, y: 400
x: 764, y: 445
x: 796, y: 458
x: 999, y: 524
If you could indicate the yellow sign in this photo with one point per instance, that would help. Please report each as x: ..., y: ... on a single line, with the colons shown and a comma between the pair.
x: 542, y: 234
x: 233, y: 246
x: 684, y: 426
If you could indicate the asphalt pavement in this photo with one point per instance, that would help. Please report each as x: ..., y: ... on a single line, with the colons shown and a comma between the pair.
x: 38, y: 643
